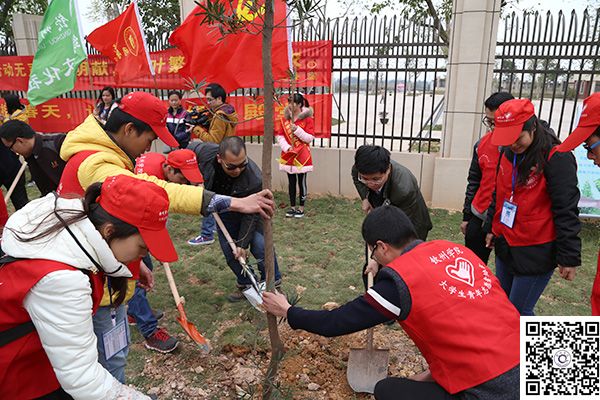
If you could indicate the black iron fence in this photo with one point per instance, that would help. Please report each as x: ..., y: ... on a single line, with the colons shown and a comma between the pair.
x: 389, y: 74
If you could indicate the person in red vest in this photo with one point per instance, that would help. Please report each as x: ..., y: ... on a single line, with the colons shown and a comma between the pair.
x: 180, y: 166
x: 294, y: 137
x: 3, y: 212
x: 480, y: 186
x: 444, y: 297
x: 588, y: 133
x: 534, y: 219
x: 60, y: 252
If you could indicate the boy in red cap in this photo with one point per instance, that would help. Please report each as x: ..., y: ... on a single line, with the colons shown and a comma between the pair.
x: 588, y: 133
x: 94, y: 152
x: 534, y: 216
x: 180, y: 166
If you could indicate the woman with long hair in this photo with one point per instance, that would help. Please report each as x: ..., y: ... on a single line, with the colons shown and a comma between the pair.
x: 14, y: 109
x: 294, y: 137
x: 534, y: 216
x: 59, y: 252
x: 105, y: 104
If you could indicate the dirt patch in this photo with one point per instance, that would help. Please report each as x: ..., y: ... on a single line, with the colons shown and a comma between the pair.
x: 313, y: 368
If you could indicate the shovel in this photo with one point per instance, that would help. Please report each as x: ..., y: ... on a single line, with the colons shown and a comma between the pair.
x: 252, y: 294
x: 367, y: 366
x: 187, y: 326
x: 15, y: 181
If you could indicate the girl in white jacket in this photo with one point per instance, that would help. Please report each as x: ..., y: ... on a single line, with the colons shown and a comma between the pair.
x: 59, y: 253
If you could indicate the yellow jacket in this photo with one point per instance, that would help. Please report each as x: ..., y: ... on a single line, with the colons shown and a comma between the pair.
x: 110, y: 160
x: 221, y: 125
x: 18, y: 114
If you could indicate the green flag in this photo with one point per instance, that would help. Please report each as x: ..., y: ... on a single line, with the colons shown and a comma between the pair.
x: 60, y: 51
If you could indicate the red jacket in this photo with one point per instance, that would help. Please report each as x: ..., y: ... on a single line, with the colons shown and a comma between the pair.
x: 487, y: 158
x: 24, y: 361
x: 461, y: 320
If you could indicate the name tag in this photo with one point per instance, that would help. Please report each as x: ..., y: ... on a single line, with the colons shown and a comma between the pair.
x: 509, y: 212
x: 115, y: 340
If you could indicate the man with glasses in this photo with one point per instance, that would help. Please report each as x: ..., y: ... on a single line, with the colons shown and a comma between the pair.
x: 221, y: 125
x: 41, y: 152
x: 227, y: 170
x: 223, y: 116
x: 481, y: 181
x: 380, y: 180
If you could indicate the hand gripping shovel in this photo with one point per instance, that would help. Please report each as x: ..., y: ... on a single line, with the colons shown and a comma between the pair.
x: 252, y: 294
x: 187, y: 326
x: 367, y: 366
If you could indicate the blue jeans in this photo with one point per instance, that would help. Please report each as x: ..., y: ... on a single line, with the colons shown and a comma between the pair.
x: 522, y: 290
x: 139, y: 308
x: 257, y: 248
x: 209, y: 226
x: 103, y: 323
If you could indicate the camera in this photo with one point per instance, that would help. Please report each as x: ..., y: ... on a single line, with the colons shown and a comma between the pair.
x: 199, y: 117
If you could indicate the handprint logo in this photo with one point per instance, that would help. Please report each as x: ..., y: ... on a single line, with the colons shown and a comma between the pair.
x: 462, y: 270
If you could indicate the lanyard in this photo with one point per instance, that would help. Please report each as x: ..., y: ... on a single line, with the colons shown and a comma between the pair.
x: 113, y: 311
x: 514, y: 176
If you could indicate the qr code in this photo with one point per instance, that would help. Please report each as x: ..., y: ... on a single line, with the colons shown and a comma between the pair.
x: 560, y: 358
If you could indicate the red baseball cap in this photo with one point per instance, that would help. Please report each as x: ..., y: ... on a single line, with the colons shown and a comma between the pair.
x: 509, y: 119
x: 185, y: 160
x: 149, y: 109
x: 589, y: 121
x: 144, y: 205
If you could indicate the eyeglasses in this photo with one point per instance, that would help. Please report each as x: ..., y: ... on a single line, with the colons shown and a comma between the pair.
x: 373, y: 251
x: 589, y: 148
x: 488, y: 122
x: 231, y: 167
x: 11, y: 146
x: 375, y: 181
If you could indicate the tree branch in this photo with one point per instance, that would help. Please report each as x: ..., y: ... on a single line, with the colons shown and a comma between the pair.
x: 436, y: 18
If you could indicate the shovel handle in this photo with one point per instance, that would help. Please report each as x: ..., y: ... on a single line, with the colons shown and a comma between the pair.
x: 15, y: 181
x: 227, y: 235
x: 370, y: 330
x: 171, y: 281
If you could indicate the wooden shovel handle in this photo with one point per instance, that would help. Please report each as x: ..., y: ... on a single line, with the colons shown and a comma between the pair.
x: 370, y: 330
x: 15, y: 181
x: 171, y: 281
x: 227, y: 236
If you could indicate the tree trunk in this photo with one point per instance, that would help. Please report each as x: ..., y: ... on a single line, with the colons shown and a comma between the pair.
x: 276, y: 343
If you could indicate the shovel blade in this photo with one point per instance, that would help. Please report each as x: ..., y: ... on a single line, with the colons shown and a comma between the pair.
x: 191, y: 330
x: 366, y: 368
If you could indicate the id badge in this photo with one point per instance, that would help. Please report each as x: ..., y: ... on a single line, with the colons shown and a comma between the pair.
x: 115, y: 340
x: 509, y: 212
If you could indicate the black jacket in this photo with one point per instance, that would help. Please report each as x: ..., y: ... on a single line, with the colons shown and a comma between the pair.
x: 561, y: 178
x: 215, y: 179
x: 45, y: 164
x: 402, y: 190
x: 473, y: 183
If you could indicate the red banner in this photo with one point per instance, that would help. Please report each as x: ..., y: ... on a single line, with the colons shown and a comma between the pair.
x: 312, y: 61
x: 63, y: 115
x: 55, y: 115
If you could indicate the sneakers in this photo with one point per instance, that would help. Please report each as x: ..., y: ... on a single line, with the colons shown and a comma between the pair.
x: 161, y: 341
x: 200, y: 241
x: 293, y: 213
x: 131, y: 320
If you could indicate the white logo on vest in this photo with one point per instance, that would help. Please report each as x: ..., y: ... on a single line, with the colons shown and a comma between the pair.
x: 462, y: 270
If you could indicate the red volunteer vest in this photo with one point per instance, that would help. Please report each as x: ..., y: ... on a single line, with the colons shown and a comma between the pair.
x: 460, y: 319
x: 534, y: 222
x: 487, y: 157
x: 151, y: 164
x: 25, y: 371
x: 69, y: 186
x: 3, y: 211
x: 299, y: 154
x: 596, y: 291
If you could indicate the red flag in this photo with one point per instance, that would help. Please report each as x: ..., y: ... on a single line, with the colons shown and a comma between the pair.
x: 123, y: 41
x: 235, y: 60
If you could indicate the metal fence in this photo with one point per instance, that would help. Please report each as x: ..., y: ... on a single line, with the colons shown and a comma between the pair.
x: 389, y: 74
x: 551, y: 59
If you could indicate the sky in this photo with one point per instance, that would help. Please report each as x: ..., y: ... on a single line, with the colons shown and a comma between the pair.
x: 334, y: 9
